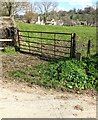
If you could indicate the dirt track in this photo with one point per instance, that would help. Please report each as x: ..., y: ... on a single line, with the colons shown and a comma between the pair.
x: 17, y: 100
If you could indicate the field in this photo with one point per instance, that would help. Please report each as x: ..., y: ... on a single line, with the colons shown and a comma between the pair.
x: 83, y: 34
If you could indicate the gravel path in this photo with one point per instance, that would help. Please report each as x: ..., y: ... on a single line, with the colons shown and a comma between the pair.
x: 19, y: 101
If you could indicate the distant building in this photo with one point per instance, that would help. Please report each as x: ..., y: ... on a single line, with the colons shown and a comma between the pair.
x: 38, y: 20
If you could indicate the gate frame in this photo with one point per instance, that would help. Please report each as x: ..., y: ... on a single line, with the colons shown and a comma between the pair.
x: 72, y: 46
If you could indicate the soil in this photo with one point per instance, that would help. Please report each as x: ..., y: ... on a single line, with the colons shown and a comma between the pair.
x: 18, y: 100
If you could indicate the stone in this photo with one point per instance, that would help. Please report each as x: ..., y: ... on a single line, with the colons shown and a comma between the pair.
x: 5, y: 24
x: 78, y: 56
x: 8, y: 30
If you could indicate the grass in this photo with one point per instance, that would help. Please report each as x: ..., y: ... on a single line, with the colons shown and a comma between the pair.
x: 69, y: 74
x: 83, y: 34
x: 8, y: 50
x: 64, y: 74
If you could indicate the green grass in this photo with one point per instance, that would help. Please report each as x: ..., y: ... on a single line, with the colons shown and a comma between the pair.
x: 83, y: 34
x: 8, y: 50
x: 69, y: 74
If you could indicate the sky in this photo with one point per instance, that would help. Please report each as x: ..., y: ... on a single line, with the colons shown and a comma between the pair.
x: 71, y: 4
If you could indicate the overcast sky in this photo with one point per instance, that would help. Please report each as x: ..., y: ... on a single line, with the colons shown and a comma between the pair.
x: 70, y: 4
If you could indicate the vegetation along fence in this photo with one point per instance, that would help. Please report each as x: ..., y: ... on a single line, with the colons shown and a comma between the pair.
x: 47, y: 44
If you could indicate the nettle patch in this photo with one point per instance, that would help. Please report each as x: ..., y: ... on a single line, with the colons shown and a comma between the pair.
x: 65, y: 74
x: 71, y: 74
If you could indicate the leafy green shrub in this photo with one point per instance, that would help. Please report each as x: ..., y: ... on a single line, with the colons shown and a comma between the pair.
x: 65, y: 74
x: 92, y: 70
x: 70, y: 74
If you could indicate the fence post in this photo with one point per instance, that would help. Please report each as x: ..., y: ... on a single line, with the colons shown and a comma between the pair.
x: 54, y: 46
x: 13, y: 36
x: 73, y: 45
x: 88, y: 47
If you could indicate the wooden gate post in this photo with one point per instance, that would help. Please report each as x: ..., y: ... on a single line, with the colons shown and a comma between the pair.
x: 88, y: 48
x: 73, y: 46
x: 18, y: 47
x: 14, y: 37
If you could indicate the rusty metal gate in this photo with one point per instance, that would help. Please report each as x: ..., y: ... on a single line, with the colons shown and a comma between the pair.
x: 48, y: 44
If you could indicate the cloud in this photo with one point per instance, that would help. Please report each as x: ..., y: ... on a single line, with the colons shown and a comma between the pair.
x: 60, y: 8
x: 13, y: 0
x: 68, y: 1
x: 81, y: 3
x: 71, y: 2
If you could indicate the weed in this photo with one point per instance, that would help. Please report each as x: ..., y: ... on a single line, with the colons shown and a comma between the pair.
x: 66, y: 74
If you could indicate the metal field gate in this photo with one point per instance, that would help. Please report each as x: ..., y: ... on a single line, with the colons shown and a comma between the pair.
x: 48, y: 44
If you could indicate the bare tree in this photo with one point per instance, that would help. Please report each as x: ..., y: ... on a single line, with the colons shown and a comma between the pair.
x: 13, y: 7
x: 29, y: 16
x: 45, y: 8
x: 1, y: 8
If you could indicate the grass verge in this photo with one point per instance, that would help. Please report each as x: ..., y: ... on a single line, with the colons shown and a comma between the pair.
x: 69, y: 74
x: 9, y: 50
